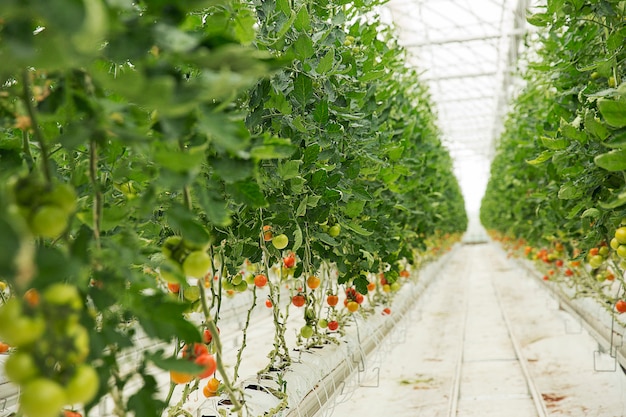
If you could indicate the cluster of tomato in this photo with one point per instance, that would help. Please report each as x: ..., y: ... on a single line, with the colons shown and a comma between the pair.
x: 197, y: 353
x: 184, y: 259
x: 47, y: 208
x: 353, y: 299
x: 51, y: 348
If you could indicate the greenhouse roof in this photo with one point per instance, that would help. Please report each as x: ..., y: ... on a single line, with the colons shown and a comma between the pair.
x: 466, y: 51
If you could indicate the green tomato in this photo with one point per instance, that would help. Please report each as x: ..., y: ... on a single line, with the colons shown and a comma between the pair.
x: 20, y: 367
x: 171, y: 272
x: 334, y: 230
x: 61, y: 294
x: 621, y: 251
x: 249, y: 278
x: 237, y: 279
x: 80, y: 337
x: 322, y: 323
x: 83, y: 386
x: 42, y: 397
x: 170, y: 245
x: 280, y: 242
x: 48, y: 221
x: 23, y: 331
x: 227, y: 285
x: 604, y: 251
x: 241, y: 287
x: 620, y: 235
x: 596, y: 261
x: 63, y: 196
x: 197, y: 264
x: 395, y: 286
x: 614, y: 243
x: 192, y: 293
x: 306, y: 331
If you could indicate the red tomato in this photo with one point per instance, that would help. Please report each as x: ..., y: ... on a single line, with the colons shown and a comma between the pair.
x: 298, y: 300
x: 568, y: 272
x: 620, y: 306
x: 290, y: 260
x: 173, y: 287
x: 332, y: 300
x: 268, y: 303
x: 358, y: 298
x: 208, y: 362
x: 199, y: 349
x: 260, y: 280
x: 333, y: 325
x: 386, y: 311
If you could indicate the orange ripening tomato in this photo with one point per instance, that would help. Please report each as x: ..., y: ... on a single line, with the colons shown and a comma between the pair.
x: 180, y: 377
x: 371, y: 286
x: 313, y: 282
x: 267, y: 233
x: 260, y: 280
x: 4, y: 347
x: 32, y: 297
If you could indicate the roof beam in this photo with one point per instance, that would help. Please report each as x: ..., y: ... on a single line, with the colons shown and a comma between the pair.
x: 463, y: 39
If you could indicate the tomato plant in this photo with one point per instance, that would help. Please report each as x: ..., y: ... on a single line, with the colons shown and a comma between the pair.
x: 131, y: 163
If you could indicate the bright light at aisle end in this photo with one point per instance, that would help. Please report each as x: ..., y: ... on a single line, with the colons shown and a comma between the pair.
x: 472, y: 174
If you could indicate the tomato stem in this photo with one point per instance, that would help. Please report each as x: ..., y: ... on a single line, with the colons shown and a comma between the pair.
x: 97, y: 195
x: 245, y: 334
x: 43, y: 148
x: 210, y: 324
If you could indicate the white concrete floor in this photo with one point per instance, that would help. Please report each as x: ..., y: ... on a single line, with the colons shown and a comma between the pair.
x: 417, y: 377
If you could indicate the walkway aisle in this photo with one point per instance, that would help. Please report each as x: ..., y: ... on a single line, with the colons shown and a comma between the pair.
x: 458, y: 359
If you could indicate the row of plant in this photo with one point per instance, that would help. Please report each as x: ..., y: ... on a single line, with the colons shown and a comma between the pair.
x: 158, y: 158
x: 557, y: 191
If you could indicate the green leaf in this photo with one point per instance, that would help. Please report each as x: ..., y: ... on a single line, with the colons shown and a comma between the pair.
x: 301, y: 210
x: 616, y: 141
x: 320, y: 114
x: 591, y: 212
x: 554, y: 143
x: 303, y: 47
x: 162, y: 318
x: 179, y: 161
x: 538, y: 19
x: 360, y: 283
x: 303, y: 20
x: 571, y: 131
x: 326, y: 62
x: 569, y: 191
x: 172, y: 363
x: 614, y: 112
x: 310, y: 153
x: 354, y: 208
x: 249, y: 193
x: 326, y: 238
x: 618, y: 201
x: 297, y: 238
x: 185, y: 222
x: 595, y: 127
x: 224, y: 132
x: 214, y: 206
x: 232, y: 170
x: 612, y: 161
x: 273, y: 148
x: 289, y: 169
x: 356, y: 228
x: 9, y: 246
x: 543, y: 157
x: 302, y: 89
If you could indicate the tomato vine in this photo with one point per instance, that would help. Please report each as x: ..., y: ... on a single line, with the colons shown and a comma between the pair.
x: 147, y: 148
